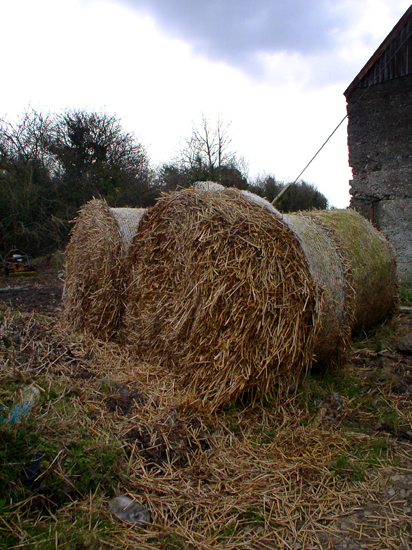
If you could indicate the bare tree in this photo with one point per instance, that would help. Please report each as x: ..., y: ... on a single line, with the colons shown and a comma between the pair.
x: 208, y: 155
x: 213, y: 144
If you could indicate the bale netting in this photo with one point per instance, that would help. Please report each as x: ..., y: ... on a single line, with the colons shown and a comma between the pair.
x: 94, y: 271
x: 221, y: 292
x: 330, y: 270
x: 370, y: 264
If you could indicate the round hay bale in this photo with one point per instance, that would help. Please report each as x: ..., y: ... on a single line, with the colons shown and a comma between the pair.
x: 221, y: 291
x: 372, y: 265
x: 95, y: 257
x: 213, y: 186
x: 331, y: 273
x: 209, y: 186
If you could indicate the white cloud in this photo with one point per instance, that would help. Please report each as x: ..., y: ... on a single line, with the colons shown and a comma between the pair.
x: 103, y: 55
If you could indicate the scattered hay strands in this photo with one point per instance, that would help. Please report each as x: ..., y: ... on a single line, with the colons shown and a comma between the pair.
x: 221, y: 292
x: 253, y: 478
x: 211, y: 481
x: 94, y: 275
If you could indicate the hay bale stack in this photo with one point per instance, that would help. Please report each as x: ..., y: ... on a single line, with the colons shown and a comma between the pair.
x: 221, y: 292
x: 371, y: 262
x: 95, y: 257
x: 353, y: 265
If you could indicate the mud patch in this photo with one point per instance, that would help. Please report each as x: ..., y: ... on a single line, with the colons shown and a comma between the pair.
x: 168, y: 444
x: 40, y: 299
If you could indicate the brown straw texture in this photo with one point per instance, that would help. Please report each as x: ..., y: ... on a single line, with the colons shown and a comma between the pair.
x: 221, y: 292
x: 94, y: 278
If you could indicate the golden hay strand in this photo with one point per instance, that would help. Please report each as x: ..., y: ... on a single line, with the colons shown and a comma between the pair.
x: 93, y: 296
x: 220, y: 291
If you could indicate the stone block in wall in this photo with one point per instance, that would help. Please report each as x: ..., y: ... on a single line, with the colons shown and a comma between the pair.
x: 380, y: 139
x: 394, y: 219
x: 383, y: 183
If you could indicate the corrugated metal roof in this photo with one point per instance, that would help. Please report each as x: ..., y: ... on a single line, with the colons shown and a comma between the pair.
x: 391, y: 60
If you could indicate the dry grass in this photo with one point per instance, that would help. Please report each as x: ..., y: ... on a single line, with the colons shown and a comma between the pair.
x: 252, y: 477
x: 94, y: 279
x: 220, y: 292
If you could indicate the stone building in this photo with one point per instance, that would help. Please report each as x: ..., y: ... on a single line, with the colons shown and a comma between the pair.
x: 379, y: 106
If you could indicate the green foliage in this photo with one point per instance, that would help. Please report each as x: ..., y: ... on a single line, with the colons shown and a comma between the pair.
x: 376, y: 339
x: 16, y: 441
x: 97, y: 158
x: 299, y: 196
x: 318, y: 387
x: 406, y: 295
x: 302, y: 196
x: 92, y: 465
x: 29, y: 191
x: 51, y: 165
x: 52, y: 470
x: 72, y: 529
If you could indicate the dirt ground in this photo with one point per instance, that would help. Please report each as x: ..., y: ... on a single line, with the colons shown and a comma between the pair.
x: 385, y: 512
x: 41, y: 292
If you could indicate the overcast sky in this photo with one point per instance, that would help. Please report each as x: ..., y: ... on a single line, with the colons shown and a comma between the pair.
x: 275, y: 69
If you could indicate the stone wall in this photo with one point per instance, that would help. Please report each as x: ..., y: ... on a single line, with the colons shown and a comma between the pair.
x: 380, y: 154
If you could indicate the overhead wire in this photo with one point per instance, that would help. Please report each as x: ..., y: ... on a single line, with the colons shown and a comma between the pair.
x: 283, y: 191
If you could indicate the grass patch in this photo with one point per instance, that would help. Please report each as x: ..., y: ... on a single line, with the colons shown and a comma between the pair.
x: 406, y: 295
x: 316, y: 388
x: 376, y: 339
x: 354, y: 464
x: 51, y: 458
x: 76, y: 528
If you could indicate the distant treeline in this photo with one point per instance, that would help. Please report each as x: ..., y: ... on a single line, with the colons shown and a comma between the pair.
x: 52, y: 164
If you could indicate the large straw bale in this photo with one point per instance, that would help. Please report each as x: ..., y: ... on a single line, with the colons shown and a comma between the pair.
x: 354, y: 266
x: 221, y: 292
x: 372, y: 262
x: 213, y: 186
x: 95, y: 256
x: 331, y: 272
